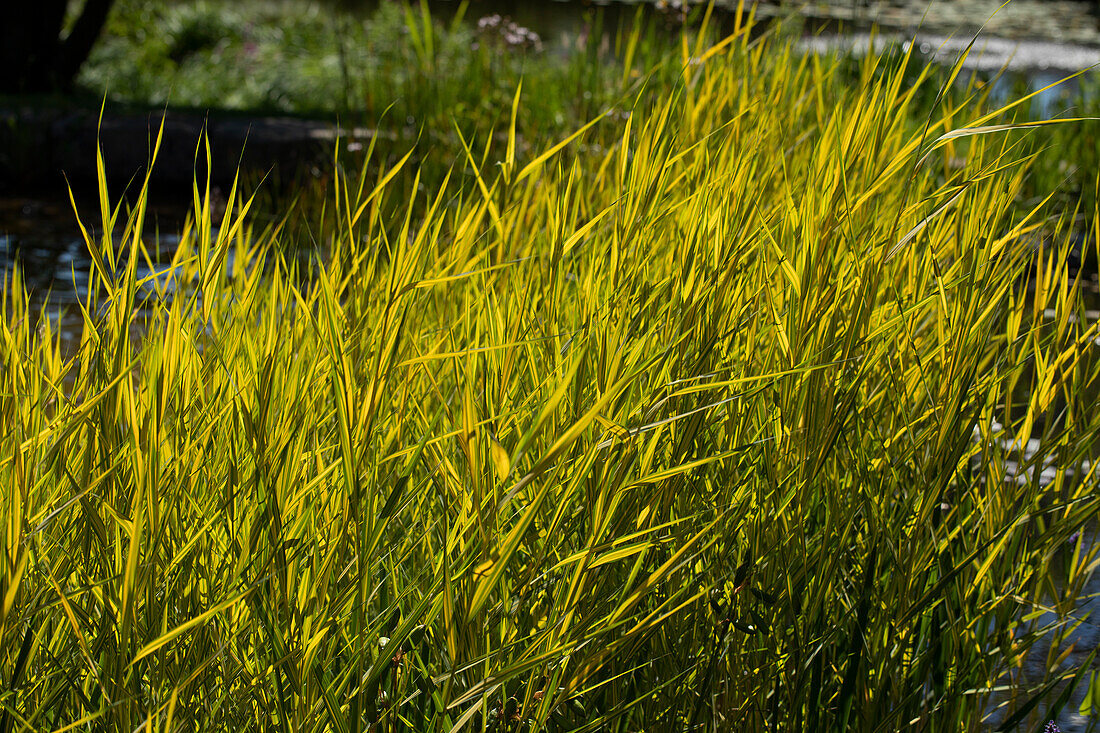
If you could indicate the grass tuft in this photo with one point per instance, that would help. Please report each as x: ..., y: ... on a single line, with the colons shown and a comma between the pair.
x: 715, y: 425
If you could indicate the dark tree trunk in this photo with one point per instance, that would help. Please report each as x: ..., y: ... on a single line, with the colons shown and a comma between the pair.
x: 78, y: 45
x: 33, y: 55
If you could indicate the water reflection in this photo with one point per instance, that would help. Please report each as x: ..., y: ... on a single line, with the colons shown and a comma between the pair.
x: 41, y: 243
x: 43, y: 238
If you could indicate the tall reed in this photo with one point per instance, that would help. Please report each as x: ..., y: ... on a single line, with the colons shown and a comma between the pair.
x: 698, y: 430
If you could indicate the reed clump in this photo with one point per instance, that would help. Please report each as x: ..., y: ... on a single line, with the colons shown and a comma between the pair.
x: 706, y: 428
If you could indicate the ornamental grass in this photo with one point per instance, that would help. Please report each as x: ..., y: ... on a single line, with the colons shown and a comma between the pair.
x: 711, y: 416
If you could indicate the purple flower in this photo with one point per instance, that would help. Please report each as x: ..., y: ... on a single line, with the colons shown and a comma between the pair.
x: 1052, y: 727
x: 489, y: 22
x: 505, y: 31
